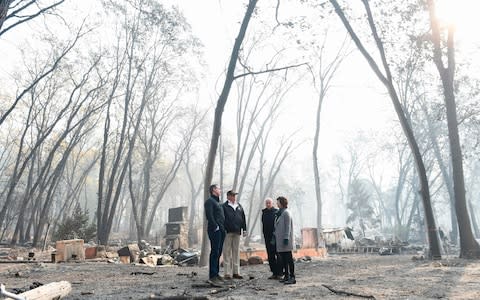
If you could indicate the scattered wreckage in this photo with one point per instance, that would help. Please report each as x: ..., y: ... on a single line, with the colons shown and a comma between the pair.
x: 342, y: 240
x: 76, y: 251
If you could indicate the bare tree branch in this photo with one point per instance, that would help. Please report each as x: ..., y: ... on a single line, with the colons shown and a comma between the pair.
x: 269, y: 70
x: 14, y: 13
x: 276, y: 14
x: 42, y: 76
x: 23, y: 18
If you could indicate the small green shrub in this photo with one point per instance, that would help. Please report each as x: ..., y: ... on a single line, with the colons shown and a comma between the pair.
x: 76, y: 227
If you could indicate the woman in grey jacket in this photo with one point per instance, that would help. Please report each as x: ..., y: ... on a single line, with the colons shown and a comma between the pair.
x: 284, y: 239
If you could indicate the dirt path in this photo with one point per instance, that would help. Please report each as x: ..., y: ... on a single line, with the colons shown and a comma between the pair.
x: 381, y: 277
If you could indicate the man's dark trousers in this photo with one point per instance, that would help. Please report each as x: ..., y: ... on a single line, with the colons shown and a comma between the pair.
x: 216, y: 245
x: 274, y: 260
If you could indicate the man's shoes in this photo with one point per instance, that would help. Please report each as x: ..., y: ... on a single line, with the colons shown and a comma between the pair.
x: 291, y: 280
x: 227, y: 277
x: 237, y: 276
x: 216, y: 280
x: 275, y: 277
x: 283, y: 279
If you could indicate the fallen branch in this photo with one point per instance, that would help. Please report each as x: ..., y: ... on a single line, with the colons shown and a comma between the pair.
x: 338, y: 292
x: 189, y: 275
x: 238, y: 285
x: 142, y: 273
x: 211, y: 284
x: 201, y: 285
x: 25, y: 261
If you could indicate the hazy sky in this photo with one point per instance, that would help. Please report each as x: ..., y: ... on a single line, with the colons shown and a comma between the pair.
x: 357, y: 102
x: 216, y: 23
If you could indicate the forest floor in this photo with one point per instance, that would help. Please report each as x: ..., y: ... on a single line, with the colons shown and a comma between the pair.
x: 362, y: 275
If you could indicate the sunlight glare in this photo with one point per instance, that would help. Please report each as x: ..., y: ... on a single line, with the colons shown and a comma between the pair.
x: 448, y: 11
x: 460, y: 13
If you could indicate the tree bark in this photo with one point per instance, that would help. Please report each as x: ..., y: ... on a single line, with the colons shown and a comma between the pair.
x: 446, y: 175
x: 476, y: 230
x: 316, y: 168
x: 4, y: 5
x: 469, y: 248
x: 217, y: 123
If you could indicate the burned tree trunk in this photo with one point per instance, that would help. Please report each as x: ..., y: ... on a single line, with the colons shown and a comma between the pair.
x: 469, y: 248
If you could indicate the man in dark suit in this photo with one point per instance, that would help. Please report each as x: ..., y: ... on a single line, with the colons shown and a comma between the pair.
x: 268, y: 220
x: 216, y: 232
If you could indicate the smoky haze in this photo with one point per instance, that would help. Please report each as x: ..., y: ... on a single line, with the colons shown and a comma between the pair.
x: 108, y: 109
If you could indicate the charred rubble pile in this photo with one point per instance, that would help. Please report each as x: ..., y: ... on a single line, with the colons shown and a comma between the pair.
x: 144, y: 253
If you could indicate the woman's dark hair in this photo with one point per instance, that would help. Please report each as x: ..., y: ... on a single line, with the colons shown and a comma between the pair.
x: 283, y: 201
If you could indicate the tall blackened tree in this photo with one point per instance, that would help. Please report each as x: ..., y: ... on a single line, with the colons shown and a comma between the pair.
x: 385, y: 77
x: 217, y: 122
x: 469, y: 248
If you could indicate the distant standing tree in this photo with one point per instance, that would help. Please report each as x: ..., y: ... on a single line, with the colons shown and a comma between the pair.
x: 360, y: 206
x: 254, y: 127
x: 267, y: 176
x: 443, y: 165
x: 323, y: 73
x: 144, y: 208
x: 76, y: 226
x: 195, y: 191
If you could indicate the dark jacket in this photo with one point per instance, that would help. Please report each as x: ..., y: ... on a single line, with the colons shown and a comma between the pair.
x: 214, y: 213
x: 268, y: 222
x: 234, y: 218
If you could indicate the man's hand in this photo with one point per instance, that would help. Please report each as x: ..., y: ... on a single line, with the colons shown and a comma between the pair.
x: 217, y: 229
x: 285, y: 242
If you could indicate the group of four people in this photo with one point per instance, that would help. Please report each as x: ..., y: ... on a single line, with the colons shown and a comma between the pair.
x: 226, y: 223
